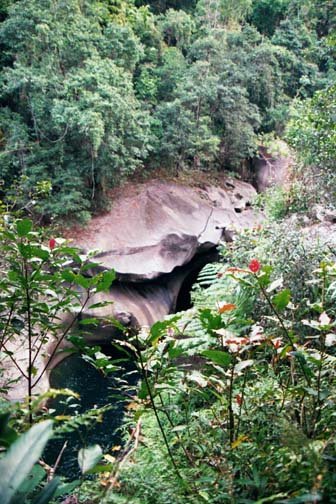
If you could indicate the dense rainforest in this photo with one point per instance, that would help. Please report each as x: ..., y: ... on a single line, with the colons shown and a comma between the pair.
x: 92, y: 92
x: 232, y: 399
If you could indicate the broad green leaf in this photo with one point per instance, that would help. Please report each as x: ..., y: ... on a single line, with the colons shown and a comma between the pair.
x: 143, y: 390
x: 13, y: 276
x: 39, y: 252
x: 264, y: 278
x: 25, y: 250
x: 101, y: 304
x: 21, y: 457
x: 82, y: 281
x: 34, y: 478
x: 89, y: 321
x: 175, y: 352
x: 89, y: 457
x: 205, y: 496
x: 73, y: 252
x: 66, y: 488
x: 311, y: 391
x: 90, y: 266
x: 197, y: 377
x: 159, y: 328
x: 24, y: 227
x: 282, y: 299
x: 100, y: 468
x: 218, y: 357
x: 106, y: 281
x: 301, y: 357
x: 68, y: 275
x: 179, y: 428
x: 210, y: 321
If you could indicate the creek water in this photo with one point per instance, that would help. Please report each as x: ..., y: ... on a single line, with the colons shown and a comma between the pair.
x: 95, y: 390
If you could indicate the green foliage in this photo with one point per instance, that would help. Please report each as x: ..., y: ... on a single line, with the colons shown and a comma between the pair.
x: 45, y: 288
x: 258, y: 386
x: 92, y: 91
x: 89, y: 457
x: 312, y: 129
x: 19, y: 461
x: 279, y: 202
x: 312, y: 133
x: 177, y: 28
x: 292, y: 255
x: 219, y: 13
x: 267, y: 14
x: 81, y: 123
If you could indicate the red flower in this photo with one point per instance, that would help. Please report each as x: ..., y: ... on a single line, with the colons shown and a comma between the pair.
x: 277, y: 342
x: 239, y: 399
x: 52, y: 243
x: 254, y: 266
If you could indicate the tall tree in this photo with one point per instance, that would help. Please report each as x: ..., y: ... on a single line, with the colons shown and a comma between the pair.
x: 70, y: 90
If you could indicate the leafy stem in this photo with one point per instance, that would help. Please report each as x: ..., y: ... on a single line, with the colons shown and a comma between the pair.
x: 156, y: 413
x: 282, y: 325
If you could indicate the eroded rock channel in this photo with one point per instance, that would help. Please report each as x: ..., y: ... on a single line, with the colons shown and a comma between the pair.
x: 153, y: 231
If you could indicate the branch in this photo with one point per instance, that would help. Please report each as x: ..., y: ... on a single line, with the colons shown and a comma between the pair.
x: 70, y: 326
x: 14, y: 362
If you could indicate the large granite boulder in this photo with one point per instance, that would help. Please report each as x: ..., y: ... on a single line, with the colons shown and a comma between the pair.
x: 160, y: 225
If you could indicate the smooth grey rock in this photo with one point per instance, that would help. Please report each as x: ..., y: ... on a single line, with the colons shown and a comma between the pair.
x: 163, y: 225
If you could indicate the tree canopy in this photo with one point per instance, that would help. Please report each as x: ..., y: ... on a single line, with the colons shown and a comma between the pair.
x: 93, y: 90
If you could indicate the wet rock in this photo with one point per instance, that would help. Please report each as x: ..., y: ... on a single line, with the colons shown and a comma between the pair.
x: 154, y: 237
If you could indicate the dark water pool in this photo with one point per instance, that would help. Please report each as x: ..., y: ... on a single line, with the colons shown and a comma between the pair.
x: 96, y: 391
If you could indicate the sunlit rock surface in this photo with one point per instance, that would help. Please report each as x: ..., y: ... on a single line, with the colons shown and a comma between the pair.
x: 161, y: 225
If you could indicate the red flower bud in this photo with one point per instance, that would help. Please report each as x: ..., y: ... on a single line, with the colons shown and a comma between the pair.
x: 52, y: 243
x: 254, y: 266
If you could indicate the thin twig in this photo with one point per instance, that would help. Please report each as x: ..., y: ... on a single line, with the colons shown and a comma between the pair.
x: 14, y: 362
x: 136, y: 436
x: 58, y: 460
